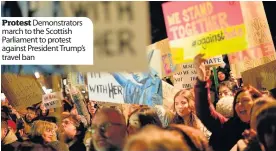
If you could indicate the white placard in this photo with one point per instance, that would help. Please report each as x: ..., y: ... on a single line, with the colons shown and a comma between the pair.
x: 52, y: 100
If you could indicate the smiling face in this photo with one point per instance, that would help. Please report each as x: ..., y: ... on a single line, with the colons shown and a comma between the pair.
x: 48, y: 135
x: 221, y: 76
x: 244, y: 103
x: 182, y: 106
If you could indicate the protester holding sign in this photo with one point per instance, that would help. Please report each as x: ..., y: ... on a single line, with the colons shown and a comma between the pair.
x: 225, y: 132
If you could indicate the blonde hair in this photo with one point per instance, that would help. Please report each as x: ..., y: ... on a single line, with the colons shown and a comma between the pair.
x: 193, y: 121
x: 39, y: 127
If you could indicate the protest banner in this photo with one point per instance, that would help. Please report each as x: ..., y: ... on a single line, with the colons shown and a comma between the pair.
x: 212, y: 28
x: 130, y: 88
x: 186, y: 78
x: 121, y: 34
x: 261, y: 77
x: 52, y: 100
x: 260, y: 44
x: 21, y: 91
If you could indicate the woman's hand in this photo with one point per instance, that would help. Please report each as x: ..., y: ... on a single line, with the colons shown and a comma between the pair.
x: 200, y: 67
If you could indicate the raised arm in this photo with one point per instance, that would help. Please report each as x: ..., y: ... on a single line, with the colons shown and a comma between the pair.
x: 120, y: 79
x: 204, y: 108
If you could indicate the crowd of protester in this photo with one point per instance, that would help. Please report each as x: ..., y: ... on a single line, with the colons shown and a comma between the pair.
x: 242, y: 119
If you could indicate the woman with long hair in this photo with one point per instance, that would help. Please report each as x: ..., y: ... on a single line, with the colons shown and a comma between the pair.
x: 225, y: 132
x: 185, y: 112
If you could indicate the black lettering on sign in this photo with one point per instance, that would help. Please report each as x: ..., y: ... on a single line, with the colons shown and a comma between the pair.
x: 193, y: 71
x: 95, y: 75
x: 125, y: 38
x: 102, y: 11
x: 52, y: 103
x: 109, y: 89
x: 106, y: 6
x: 188, y: 66
x: 125, y: 9
x: 183, y: 72
x: 193, y: 78
x: 178, y: 79
x: 112, y: 43
x: 186, y: 86
x: 46, y: 104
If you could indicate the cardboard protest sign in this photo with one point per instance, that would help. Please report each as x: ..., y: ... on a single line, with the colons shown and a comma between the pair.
x: 169, y: 92
x: 262, y: 76
x: 52, y: 100
x: 260, y: 44
x: 131, y: 88
x: 209, y: 27
x: 168, y: 66
x: 121, y: 33
x: 21, y: 91
x: 186, y: 78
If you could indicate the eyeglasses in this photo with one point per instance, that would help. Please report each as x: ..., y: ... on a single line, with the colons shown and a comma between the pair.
x: 103, y: 127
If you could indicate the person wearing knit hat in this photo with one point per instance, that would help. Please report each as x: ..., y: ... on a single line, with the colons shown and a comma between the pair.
x: 223, y: 75
x: 8, y: 138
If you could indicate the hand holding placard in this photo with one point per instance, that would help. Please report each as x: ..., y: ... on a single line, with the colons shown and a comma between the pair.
x: 200, y: 67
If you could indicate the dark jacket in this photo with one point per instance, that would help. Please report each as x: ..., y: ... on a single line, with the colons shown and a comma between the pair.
x: 225, y: 132
x: 76, y: 145
x: 10, y: 143
x: 31, y: 146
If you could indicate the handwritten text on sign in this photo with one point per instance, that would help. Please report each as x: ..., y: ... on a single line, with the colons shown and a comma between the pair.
x: 260, y: 44
x: 52, y: 100
x: 103, y: 87
x: 186, y: 78
x: 204, y: 27
x: 121, y: 33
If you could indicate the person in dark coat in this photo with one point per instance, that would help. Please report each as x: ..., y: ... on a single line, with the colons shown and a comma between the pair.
x: 8, y: 138
x: 225, y: 132
x: 72, y: 130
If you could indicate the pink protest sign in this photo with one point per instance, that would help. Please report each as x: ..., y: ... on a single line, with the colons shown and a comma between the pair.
x: 213, y: 28
x: 184, y: 19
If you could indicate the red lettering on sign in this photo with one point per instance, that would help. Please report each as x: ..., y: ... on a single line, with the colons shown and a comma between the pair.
x: 263, y: 50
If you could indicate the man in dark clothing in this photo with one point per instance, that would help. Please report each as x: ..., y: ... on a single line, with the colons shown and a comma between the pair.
x: 8, y: 139
x: 73, y: 131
